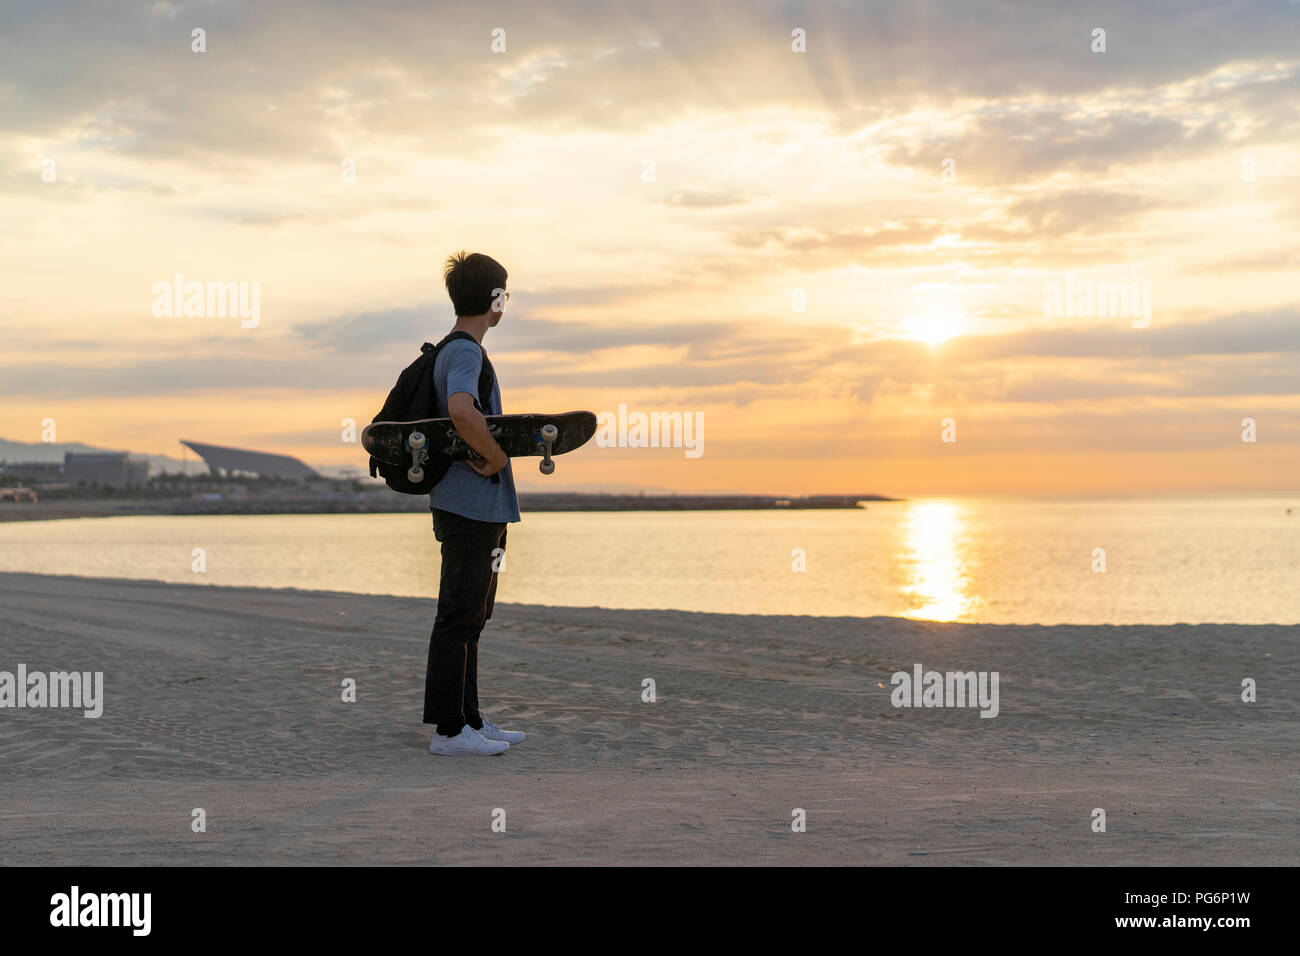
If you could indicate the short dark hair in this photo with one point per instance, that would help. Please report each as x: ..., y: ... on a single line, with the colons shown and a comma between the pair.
x: 472, y: 281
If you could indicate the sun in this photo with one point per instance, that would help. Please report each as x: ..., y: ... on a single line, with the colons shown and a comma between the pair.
x: 933, y: 328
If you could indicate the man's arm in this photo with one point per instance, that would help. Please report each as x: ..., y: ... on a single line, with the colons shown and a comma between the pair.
x: 472, y: 426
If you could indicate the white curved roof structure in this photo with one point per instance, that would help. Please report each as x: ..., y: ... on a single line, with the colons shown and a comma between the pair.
x: 222, y: 459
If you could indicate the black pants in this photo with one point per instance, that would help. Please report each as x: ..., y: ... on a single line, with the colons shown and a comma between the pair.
x: 466, y: 592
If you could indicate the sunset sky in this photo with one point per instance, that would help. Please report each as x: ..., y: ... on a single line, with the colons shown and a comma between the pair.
x: 1169, y: 161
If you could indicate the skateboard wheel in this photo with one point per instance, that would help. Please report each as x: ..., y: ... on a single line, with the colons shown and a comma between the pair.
x: 415, y: 474
x: 550, y: 433
x: 546, y: 467
x: 416, y: 441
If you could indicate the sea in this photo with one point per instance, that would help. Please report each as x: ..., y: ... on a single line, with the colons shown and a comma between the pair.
x: 997, y: 560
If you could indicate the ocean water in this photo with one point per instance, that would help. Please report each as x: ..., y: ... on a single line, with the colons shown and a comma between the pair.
x: 998, y: 560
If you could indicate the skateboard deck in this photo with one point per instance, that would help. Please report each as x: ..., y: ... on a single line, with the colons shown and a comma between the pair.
x: 415, y: 443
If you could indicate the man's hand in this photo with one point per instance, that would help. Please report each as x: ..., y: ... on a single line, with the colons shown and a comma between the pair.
x: 488, y: 468
x: 472, y: 426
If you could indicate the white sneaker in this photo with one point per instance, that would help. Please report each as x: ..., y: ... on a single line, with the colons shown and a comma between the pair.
x: 492, y: 732
x: 468, y: 743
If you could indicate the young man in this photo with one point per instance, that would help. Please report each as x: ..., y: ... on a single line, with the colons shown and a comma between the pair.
x: 471, y: 507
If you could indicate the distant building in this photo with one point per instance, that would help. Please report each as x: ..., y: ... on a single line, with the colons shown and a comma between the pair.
x: 33, y: 471
x: 224, y: 462
x: 114, y: 469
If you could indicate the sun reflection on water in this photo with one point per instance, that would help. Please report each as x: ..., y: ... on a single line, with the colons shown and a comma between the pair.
x: 937, y: 562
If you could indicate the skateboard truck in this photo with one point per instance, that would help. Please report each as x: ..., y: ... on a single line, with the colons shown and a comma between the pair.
x: 549, y: 434
x: 416, y: 442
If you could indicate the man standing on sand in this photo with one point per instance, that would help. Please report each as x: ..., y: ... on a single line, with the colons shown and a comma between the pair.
x: 471, y: 505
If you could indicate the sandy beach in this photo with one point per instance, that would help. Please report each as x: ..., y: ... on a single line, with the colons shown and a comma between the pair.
x: 230, y: 699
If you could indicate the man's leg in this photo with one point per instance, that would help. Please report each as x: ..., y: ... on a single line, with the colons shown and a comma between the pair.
x: 472, y: 715
x: 464, y: 584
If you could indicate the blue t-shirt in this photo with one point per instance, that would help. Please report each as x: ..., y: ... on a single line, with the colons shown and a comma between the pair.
x: 463, y: 490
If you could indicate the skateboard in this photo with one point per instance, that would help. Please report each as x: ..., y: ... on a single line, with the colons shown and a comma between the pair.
x: 415, y: 443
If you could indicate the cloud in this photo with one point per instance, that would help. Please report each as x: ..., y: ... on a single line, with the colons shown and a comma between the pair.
x: 370, y: 332
x: 697, y: 199
x: 1278, y: 260
x: 290, y: 80
x: 1024, y: 145
x: 1265, y: 332
x: 1087, y: 211
x: 339, y: 212
x: 850, y: 243
x: 380, y: 330
x: 1238, y: 354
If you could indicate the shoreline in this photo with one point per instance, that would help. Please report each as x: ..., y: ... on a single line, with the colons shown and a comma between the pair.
x: 755, y: 616
x: 529, y: 502
x: 228, y: 698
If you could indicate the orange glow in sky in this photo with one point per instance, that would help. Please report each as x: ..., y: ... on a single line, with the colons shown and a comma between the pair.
x: 827, y: 253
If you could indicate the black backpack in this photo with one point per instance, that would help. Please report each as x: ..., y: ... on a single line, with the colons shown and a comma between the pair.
x: 414, y: 399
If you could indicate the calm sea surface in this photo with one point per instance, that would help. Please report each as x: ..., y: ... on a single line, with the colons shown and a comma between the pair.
x: 999, y: 560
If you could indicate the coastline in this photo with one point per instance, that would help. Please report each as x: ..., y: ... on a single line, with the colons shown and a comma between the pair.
x: 530, y: 502
x: 229, y: 699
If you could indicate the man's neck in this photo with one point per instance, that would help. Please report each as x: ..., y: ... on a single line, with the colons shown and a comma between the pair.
x: 475, y: 325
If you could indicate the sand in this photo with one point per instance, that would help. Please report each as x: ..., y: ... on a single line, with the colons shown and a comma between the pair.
x: 229, y: 699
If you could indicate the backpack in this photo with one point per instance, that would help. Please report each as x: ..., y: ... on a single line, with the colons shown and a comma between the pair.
x: 414, y: 399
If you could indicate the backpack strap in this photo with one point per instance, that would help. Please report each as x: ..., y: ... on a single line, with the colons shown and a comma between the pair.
x: 486, y: 375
